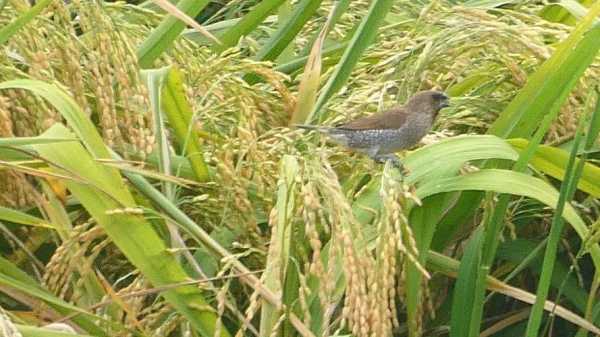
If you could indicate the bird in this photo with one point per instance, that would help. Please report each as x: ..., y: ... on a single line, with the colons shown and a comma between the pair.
x: 400, y: 128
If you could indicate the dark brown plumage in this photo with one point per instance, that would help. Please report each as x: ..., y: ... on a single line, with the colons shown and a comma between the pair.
x: 424, y: 102
x: 399, y: 128
x: 391, y: 119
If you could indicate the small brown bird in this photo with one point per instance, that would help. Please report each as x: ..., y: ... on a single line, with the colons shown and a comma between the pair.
x: 399, y: 128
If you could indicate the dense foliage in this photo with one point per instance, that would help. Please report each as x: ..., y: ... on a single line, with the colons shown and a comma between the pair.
x: 152, y: 182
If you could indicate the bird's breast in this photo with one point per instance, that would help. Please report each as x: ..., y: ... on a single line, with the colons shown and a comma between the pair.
x: 407, y: 136
x: 365, y: 140
x: 391, y: 140
x: 382, y: 140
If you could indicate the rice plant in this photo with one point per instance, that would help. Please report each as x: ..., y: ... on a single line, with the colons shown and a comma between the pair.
x: 152, y: 182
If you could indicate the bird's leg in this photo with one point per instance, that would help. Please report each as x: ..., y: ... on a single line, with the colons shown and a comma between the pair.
x: 382, y: 158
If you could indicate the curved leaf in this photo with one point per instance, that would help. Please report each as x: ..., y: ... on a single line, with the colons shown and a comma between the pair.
x: 130, y: 232
x: 12, y: 215
x: 552, y: 161
x: 510, y: 182
x: 549, y: 86
x: 250, y: 21
x: 30, y: 331
x: 180, y: 116
x: 437, y: 160
x: 19, y: 141
x: 11, y: 29
x: 105, y: 191
x: 167, y: 31
x: 433, y: 160
x: 450, y: 266
x: 282, y: 38
x: 363, y: 37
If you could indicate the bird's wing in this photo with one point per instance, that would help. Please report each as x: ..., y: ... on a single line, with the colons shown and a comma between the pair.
x: 391, y: 119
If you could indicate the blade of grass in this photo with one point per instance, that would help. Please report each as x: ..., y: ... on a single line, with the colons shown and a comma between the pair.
x: 467, y: 274
x: 30, y: 331
x: 131, y: 233
x: 510, y: 182
x: 154, y: 79
x: 552, y: 161
x: 168, y: 30
x: 279, y: 248
x: 12, y: 215
x: 12, y: 28
x: 309, y: 86
x: 77, y: 120
x: 362, y: 38
x: 449, y: 266
x: 180, y: 116
x: 573, y: 7
x: 284, y: 14
x: 487, y: 4
x: 434, y: 161
x: 247, y: 24
x: 284, y: 35
x: 565, y: 11
x: 573, y: 172
x: 19, y: 141
x: 590, y: 313
x: 540, y: 99
x: 198, y: 234
x: 173, y: 10
x: 138, y: 241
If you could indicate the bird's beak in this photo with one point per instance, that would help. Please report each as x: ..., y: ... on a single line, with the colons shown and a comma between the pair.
x: 445, y: 103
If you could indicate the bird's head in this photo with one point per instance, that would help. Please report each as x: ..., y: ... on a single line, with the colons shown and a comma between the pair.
x: 430, y: 101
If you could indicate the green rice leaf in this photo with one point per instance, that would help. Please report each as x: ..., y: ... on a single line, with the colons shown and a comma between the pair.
x: 284, y: 35
x: 309, y: 86
x: 154, y: 79
x: 168, y: 30
x: 12, y: 215
x: 180, y: 116
x: 279, y: 250
x: 19, y: 141
x: 552, y: 161
x: 30, y: 331
x: 437, y: 160
x: 13, y: 277
x: 11, y: 29
x: 548, y: 87
x: 463, y: 296
x: 510, y: 182
x: 129, y: 231
x: 248, y: 23
x: 361, y: 40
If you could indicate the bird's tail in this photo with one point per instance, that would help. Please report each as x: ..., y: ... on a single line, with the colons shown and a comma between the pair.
x: 322, y: 129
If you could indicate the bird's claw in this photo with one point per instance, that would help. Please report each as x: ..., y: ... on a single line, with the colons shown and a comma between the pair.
x: 382, y: 159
